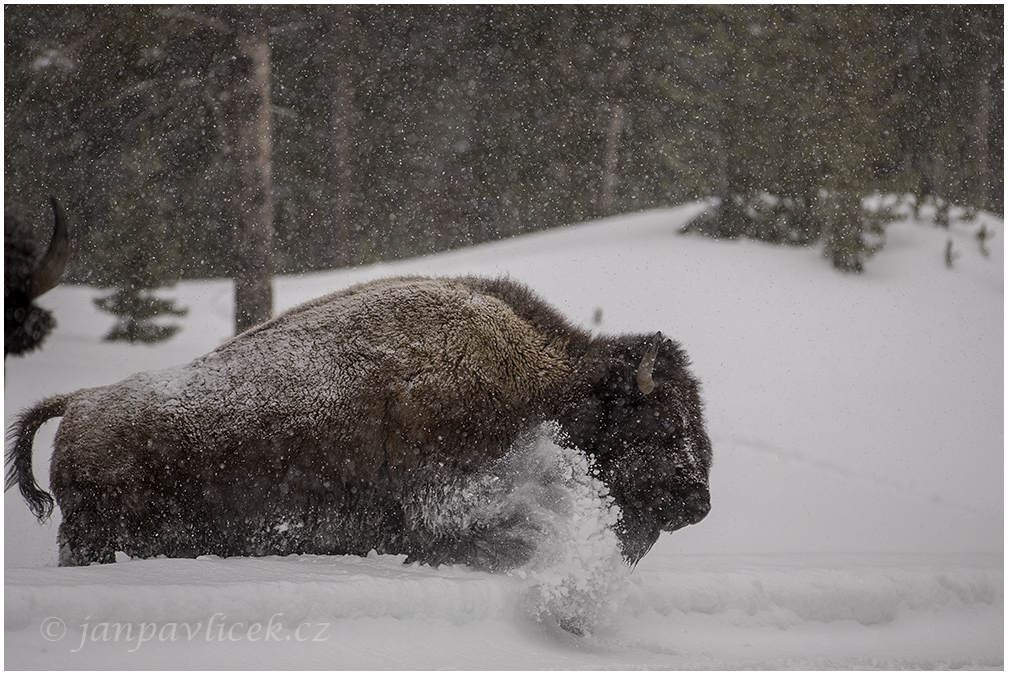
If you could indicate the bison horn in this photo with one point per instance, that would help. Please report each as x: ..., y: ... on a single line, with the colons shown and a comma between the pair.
x: 645, y: 382
x: 52, y: 265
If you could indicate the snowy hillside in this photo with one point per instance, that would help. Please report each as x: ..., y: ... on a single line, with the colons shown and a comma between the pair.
x: 857, y: 491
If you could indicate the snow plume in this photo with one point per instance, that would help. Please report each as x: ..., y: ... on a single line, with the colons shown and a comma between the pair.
x: 539, y: 515
x: 577, y: 577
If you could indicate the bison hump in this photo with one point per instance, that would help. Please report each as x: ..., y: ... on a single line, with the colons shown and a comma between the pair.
x: 398, y: 371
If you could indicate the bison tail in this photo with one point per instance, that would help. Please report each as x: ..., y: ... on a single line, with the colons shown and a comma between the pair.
x: 19, y: 457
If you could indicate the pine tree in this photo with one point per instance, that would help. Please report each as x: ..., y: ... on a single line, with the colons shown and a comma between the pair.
x: 780, y: 120
x: 947, y: 113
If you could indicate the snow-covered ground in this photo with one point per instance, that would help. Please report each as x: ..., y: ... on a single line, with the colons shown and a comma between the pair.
x: 857, y: 491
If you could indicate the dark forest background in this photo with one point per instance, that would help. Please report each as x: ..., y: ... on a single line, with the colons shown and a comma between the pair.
x: 380, y: 132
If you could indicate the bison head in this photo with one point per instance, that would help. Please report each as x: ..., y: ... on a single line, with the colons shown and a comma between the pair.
x: 28, y: 275
x: 641, y: 420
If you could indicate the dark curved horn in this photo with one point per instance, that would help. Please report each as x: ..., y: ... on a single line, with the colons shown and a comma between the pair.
x: 51, y: 267
x: 645, y: 382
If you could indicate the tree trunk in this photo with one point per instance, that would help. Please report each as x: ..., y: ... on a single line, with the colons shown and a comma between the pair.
x: 253, y: 233
x: 343, y: 107
x: 977, y: 134
x: 609, y: 187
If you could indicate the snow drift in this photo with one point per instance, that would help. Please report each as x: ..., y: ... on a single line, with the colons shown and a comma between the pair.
x: 695, y: 612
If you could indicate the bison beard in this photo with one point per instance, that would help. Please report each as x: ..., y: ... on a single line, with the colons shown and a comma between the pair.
x: 380, y: 417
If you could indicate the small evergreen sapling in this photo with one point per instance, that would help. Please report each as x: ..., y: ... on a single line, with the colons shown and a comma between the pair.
x: 141, y: 253
x: 135, y: 309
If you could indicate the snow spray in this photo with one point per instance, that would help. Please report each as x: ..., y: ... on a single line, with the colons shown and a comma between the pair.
x: 545, y: 520
x: 577, y: 576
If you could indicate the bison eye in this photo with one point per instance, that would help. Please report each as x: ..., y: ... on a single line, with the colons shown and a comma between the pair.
x: 668, y: 426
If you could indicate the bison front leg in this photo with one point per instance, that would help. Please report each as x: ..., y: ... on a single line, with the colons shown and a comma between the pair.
x: 498, y: 544
x: 486, y: 551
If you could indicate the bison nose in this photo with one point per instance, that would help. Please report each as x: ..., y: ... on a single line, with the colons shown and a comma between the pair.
x: 697, y: 505
x: 687, y: 508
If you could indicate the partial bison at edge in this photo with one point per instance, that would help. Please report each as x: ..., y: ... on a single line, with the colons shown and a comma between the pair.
x: 27, y: 275
x: 350, y: 423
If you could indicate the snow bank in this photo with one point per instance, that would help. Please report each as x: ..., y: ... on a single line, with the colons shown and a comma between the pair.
x: 760, y: 611
x: 773, y: 591
x: 299, y: 588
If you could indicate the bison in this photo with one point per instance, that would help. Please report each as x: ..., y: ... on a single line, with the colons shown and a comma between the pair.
x: 362, y: 421
x: 28, y: 275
